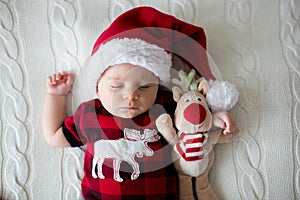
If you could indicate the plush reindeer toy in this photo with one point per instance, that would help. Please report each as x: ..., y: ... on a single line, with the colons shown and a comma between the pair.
x: 196, y: 133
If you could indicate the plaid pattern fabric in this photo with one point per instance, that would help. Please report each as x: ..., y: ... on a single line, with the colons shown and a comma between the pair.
x: 158, y: 178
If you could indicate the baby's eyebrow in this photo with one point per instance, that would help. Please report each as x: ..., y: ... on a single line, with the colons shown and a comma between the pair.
x: 147, y: 83
x: 114, y: 78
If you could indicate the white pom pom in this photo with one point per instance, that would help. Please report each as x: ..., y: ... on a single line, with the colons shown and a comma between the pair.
x: 221, y: 96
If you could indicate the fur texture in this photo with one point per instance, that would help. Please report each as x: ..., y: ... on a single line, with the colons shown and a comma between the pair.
x: 133, y: 51
x: 222, y: 95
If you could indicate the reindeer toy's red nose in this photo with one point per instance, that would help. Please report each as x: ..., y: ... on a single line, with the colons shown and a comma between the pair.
x: 195, y: 113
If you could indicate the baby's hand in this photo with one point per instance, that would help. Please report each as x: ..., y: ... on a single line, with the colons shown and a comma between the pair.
x: 225, y: 121
x: 59, y: 84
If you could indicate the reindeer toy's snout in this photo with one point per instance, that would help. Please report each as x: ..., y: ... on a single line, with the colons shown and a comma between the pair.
x: 191, y: 113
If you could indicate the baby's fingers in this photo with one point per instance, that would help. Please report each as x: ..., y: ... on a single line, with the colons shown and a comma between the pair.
x: 51, y: 80
x: 62, y: 76
x: 59, y: 78
x: 69, y: 79
x: 219, y: 123
x: 230, y: 128
x: 225, y: 121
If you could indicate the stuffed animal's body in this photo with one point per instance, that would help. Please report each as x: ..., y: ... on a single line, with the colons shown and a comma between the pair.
x: 194, y: 140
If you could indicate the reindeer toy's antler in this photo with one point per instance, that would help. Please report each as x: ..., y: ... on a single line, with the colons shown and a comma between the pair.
x: 187, y: 82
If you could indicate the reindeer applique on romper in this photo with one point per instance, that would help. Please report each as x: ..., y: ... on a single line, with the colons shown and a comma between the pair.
x: 124, y: 149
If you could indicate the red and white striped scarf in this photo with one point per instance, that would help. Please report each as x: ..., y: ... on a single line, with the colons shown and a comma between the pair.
x: 191, y: 145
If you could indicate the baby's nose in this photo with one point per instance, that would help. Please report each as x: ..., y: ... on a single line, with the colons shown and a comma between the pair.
x: 131, y: 94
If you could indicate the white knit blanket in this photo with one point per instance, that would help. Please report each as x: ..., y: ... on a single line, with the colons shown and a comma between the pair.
x: 254, y: 43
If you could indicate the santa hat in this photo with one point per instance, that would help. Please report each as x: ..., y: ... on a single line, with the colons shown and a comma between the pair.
x: 145, y: 37
x: 134, y: 51
x: 221, y: 96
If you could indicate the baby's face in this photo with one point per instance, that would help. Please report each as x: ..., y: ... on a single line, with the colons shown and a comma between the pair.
x: 126, y: 90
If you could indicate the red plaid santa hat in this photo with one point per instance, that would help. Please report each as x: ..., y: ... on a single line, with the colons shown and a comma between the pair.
x: 146, y: 37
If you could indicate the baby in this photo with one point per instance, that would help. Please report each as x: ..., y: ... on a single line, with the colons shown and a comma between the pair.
x: 119, y: 125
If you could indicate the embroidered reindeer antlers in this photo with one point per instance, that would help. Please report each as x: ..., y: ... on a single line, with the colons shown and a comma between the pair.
x: 187, y: 82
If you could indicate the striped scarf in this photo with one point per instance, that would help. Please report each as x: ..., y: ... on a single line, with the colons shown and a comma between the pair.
x: 191, y: 146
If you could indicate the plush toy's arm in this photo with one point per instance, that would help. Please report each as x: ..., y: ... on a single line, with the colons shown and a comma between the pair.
x: 164, y: 125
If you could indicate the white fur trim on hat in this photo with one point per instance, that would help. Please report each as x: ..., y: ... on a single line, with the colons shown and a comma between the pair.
x: 133, y: 51
x: 221, y: 96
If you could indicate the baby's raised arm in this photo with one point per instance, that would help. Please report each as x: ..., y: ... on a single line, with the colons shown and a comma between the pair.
x: 58, y: 86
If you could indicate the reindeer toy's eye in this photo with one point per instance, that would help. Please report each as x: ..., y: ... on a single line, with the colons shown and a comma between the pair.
x: 187, y: 100
x: 199, y: 99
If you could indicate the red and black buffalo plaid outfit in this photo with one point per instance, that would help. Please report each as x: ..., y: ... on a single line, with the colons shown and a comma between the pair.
x: 158, y: 178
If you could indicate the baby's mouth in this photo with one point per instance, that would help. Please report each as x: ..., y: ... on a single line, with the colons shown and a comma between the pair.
x: 129, y: 108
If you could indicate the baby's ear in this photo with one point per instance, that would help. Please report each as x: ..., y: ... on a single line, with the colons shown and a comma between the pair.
x: 203, y: 87
x: 97, y: 91
x: 97, y: 86
x: 177, y: 93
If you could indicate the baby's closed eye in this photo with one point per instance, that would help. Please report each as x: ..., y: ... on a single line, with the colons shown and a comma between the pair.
x: 145, y: 86
x: 115, y: 86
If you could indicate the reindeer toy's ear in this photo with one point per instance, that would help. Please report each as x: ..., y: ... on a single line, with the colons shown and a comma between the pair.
x: 177, y: 93
x: 203, y: 87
